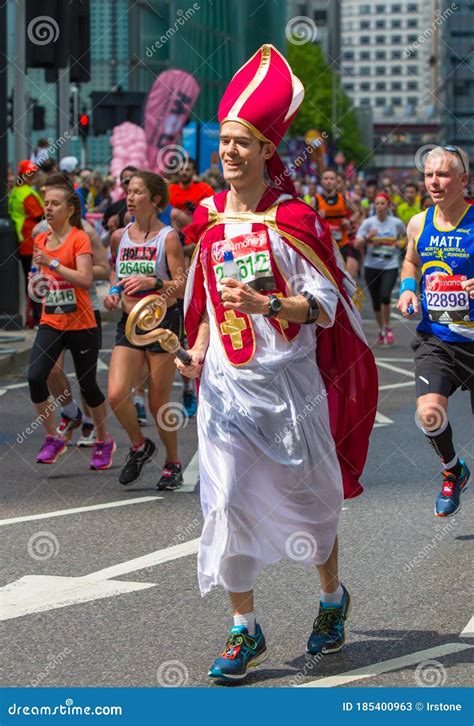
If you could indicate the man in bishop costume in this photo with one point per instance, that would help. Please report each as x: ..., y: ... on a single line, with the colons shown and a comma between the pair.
x: 288, y: 385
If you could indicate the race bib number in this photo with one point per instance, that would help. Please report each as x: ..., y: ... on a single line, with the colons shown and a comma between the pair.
x: 446, y: 301
x: 60, y: 299
x: 141, y: 267
x: 252, y: 255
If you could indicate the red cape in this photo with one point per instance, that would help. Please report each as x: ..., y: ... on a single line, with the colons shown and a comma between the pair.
x: 346, y: 362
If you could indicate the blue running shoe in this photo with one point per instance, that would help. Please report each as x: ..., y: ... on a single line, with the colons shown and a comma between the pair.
x: 190, y: 403
x: 328, y: 629
x: 448, y: 501
x: 242, y: 651
x: 141, y: 413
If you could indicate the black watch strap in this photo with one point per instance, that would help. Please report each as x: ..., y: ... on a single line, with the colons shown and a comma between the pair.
x: 314, y: 308
x: 158, y: 284
x: 274, y: 306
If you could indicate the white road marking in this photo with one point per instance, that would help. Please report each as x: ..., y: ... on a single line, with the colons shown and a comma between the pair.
x: 385, y: 666
x: 468, y: 631
x: 150, y: 560
x: 63, y: 512
x: 38, y: 593
x: 396, y: 385
x: 390, y: 367
x: 190, y: 475
x: 395, y: 360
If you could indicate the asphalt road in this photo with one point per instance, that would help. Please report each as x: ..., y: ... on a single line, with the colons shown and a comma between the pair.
x: 145, y: 624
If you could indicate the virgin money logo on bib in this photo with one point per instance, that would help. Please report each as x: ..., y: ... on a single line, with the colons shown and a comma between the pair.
x: 239, y: 246
x: 252, y: 255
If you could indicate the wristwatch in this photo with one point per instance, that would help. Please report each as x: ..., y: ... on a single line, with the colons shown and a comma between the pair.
x: 274, y: 306
x: 54, y: 264
x: 314, y: 309
x: 158, y: 284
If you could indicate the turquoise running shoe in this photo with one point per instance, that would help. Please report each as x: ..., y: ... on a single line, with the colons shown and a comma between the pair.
x: 448, y: 501
x: 328, y: 629
x: 242, y: 651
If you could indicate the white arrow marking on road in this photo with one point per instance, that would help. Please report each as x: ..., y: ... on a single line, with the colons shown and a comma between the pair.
x: 191, y: 475
x: 389, y: 367
x: 384, y: 666
x: 39, y: 593
x: 381, y: 420
x: 77, y: 510
x: 468, y: 631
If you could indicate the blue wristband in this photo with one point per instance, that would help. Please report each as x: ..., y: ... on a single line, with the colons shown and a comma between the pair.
x: 409, y: 283
x: 116, y: 290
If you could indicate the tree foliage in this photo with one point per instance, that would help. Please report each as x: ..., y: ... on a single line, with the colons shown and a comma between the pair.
x: 309, y: 64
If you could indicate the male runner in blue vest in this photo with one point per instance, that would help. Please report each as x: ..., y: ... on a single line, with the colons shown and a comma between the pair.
x: 440, y: 253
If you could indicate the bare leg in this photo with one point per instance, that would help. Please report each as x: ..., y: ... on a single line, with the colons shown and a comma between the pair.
x: 386, y: 309
x: 328, y: 572
x: 122, y: 377
x: 46, y: 415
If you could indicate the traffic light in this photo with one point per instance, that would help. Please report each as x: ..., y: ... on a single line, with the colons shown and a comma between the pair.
x: 38, y: 117
x: 10, y: 111
x: 83, y: 125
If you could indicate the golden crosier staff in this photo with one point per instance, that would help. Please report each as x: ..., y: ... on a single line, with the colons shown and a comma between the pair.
x: 146, y: 315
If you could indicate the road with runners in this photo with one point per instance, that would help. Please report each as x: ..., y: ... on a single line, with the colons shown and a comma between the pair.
x: 99, y: 582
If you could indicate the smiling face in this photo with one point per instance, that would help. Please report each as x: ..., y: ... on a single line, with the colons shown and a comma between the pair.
x: 444, y: 179
x: 243, y: 156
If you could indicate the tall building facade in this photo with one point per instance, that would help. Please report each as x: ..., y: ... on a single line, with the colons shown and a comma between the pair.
x: 326, y: 17
x: 389, y: 64
x: 456, y: 62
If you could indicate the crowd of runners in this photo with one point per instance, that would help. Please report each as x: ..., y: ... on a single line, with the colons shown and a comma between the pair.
x: 364, y: 233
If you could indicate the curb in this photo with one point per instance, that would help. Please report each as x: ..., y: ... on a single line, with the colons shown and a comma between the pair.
x: 14, y: 362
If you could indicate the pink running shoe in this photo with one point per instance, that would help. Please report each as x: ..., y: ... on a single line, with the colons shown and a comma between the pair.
x: 389, y: 337
x: 102, y: 454
x: 380, y: 339
x: 51, y: 449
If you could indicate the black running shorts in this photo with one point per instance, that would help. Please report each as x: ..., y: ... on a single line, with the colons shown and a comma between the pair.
x: 173, y: 321
x: 442, y: 367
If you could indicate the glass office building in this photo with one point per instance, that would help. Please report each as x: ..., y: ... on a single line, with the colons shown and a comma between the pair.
x: 133, y: 41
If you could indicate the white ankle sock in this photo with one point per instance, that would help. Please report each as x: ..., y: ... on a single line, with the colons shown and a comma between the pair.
x: 71, y: 410
x: 139, y: 399
x: 87, y: 420
x: 332, y: 597
x: 248, y: 620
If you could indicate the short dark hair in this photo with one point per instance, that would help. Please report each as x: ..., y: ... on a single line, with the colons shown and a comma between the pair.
x: 410, y: 184
x: 128, y: 168
x: 191, y: 161
x: 330, y: 168
x: 155, y: 185
x: 371, y: 183
x: 48, y: 165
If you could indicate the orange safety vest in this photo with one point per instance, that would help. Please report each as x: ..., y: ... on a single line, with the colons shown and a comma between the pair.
x: 335, y: 213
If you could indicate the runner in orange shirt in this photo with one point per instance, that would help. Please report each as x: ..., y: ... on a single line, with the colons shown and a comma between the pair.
x: 65, y: 257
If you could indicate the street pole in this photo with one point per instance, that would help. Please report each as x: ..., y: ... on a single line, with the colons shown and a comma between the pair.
x: 64, y: 121
x: 9, y: 289
x: 20, y: 111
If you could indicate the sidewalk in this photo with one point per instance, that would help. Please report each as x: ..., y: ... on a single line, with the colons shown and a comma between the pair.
x: 16, y: 345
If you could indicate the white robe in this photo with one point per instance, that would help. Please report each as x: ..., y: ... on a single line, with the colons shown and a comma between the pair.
x: 271, y: 485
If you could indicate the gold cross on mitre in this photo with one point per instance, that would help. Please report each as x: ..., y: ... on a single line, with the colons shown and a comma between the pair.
x: 233, y: 326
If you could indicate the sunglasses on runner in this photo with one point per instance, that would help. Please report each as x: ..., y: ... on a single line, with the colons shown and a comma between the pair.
x: 454, y: 150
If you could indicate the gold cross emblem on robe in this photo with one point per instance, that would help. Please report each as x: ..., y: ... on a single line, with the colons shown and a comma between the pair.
x: 233, y: 326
